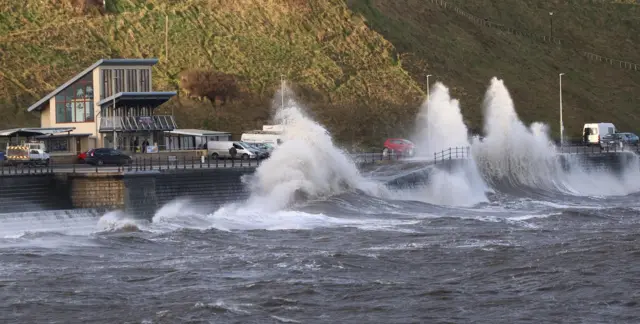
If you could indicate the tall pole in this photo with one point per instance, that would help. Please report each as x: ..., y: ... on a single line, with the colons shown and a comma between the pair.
x: 561, y: 124
x: 550, y: 25
x: 428, y: 87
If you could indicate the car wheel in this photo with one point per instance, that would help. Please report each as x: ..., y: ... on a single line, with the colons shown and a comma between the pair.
x: 245, y: 156
x: 100, y: 162
x: 215, y: 156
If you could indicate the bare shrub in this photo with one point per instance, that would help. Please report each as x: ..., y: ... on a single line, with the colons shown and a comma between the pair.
x: 88, y: 6
x: 209, y: 84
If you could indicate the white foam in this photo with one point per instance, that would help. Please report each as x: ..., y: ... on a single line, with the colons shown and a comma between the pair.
x: 119, y: 221
x: 512, y: 153
x: 306, y: 165
x: 439, y: 124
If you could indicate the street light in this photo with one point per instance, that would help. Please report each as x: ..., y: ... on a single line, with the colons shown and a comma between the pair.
x: 561, y: 124
x: 428, y: 86
x: 550, y: 25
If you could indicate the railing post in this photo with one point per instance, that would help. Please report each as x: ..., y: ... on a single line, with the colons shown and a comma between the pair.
x: 184, y: 162
x: 192, y: 165
x: 151, y: 163
x: 435, y: 158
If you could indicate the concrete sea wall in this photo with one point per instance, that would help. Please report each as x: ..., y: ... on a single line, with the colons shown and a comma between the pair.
x: 142, y: 193
x: 206, y: 189
x: 20, y: 193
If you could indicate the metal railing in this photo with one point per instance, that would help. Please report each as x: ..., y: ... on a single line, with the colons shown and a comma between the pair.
x: 172, y: 163
x: 596, y: 149
x: 452, y: 153
x: 138, y: 123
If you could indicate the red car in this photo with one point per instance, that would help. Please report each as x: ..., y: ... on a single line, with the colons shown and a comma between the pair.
x: 82, y: 156
x: 398, y: 146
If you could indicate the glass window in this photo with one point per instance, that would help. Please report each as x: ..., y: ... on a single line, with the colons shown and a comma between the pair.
x: 58, y: 145
x: 107, y: 83
x: 132, y: 80
x: 144, y: 80
x: 75, y: 103
x: 119, y: 80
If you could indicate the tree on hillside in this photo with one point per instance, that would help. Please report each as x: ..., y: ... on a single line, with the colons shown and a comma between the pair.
x: 89, y: 6
x: 209, y: 84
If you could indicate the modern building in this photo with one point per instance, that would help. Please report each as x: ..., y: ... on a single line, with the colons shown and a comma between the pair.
x: 111, y: 103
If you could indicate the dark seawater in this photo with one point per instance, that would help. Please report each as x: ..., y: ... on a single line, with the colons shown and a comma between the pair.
x: 364, y: 260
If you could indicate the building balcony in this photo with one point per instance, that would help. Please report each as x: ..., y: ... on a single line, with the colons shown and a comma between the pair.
x: 138, y: 123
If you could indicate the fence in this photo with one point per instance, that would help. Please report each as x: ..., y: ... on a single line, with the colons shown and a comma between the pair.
x: 596, y: 149
x: 452, y: 153
x: 543, y: 38
x: 174, y: 163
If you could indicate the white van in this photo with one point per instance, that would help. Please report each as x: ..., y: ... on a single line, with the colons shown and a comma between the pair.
x: 273, y: 138
x: 594, y: 131
x: 220, y: 149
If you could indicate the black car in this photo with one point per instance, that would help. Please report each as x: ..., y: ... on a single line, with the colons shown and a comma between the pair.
x: 614, y: 141
x: 101, y: 156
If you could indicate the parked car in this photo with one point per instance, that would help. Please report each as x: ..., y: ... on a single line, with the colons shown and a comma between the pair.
x: 101, y: 156
x: 220, y: 149
x: 631, y: 138
x: 614, y: 141
x: 82, y: 157
x: 593, y: 133
x: 263, y: 152
x: 398, y: 146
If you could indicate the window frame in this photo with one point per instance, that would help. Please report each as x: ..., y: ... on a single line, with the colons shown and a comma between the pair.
x: 69, y: 105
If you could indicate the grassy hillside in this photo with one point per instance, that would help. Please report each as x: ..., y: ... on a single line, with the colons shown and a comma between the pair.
x: 435, y: 40
x: 360, y: 65
x: 343, y: 69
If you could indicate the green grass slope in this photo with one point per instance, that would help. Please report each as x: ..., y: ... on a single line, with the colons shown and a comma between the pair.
x: 359, y: 65
x: 435, y: 40
x: 347, y: 73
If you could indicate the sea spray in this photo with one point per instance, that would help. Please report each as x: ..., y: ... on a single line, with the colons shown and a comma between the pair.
x: 439, y: 124
x: 117, y: 220
x: 512, y: 155
x: 510, y: 152
x: 306, y: 166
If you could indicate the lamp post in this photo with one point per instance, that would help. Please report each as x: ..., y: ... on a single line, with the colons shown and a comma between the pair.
x: 113, y: 110
x: 561, y: 124
x: 428, y: 87
x: 550, y: 25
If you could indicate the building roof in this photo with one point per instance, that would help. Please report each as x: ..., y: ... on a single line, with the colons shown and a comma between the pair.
x: 38, y: 105
x: 196, y: 132
x: 35, y: 131
x: 63, y: 135
x: 156, y: 97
